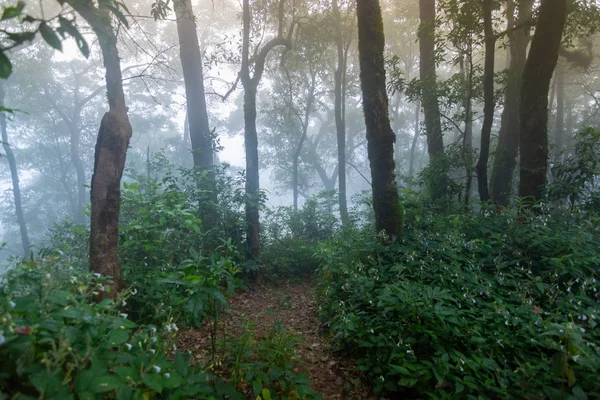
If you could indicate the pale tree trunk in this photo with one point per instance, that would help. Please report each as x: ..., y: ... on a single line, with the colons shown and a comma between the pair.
x: 559, y: 128
x: 380, y: 136
x: 489, y: 104
x: 14, y: 174
x: 340, y: 112
x: 431, y: 108
x: 467, y: 140
x: 250, y: 84
x: 508, y: 136
x: 413, y: 147
x: 541, y: 62
x: 111, y: 150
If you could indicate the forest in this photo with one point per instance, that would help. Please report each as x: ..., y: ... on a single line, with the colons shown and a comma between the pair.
x: 285, y: 199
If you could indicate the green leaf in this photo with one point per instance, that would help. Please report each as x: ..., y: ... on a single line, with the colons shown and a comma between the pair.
x: 127, y: 373
x: 266, y: 394
x: 154, y: 382
x: 12, y: 12
x: 117, y: 337
x: 67, y: 27
x: 5, y: 66
x: 105, y: 383
x: 50, y: 36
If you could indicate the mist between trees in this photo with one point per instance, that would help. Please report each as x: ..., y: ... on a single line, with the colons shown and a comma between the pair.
x: 215, y: 145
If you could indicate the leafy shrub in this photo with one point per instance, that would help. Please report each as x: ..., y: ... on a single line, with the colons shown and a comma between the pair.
x: 55, y: 342
x: 469, y: 306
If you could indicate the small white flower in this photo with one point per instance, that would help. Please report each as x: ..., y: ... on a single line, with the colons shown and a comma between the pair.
x: 101, y: 288
x: 174, y: 327
x: 168, y: 328
x: 174, y: 347
x: 97, y: 275
x: 582, y: 330
x: 156, y: 368
x: 11, y: 304
x: 48, y: 276
x: 153, y: 330
x: 167, y: 375
x: 154, y: 340
x: 123, y: 303
x: 584, y: 317
x: 153, y: 351
x: 129, y: 346
x: 123, y: 315
x: 134, y: 291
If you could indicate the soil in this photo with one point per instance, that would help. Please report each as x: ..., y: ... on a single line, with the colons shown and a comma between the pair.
x: 293, y: 305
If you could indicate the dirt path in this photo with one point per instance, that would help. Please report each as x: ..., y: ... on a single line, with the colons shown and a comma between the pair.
x: 292, y: 304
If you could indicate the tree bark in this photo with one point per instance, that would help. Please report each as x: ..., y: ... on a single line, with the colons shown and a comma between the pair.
x: 467, y: 145
x: 340, y: 113
x: 250, y: 84
x: 431, y: 109
x: 508, y: 136
x: 489, y: 104
x: 14, y: 174
x: 413, y: 147
x: 380, y: 136
x: 559, y: 129
x: 111, y: 150
x: 540, y: 65
x: 191, y: 62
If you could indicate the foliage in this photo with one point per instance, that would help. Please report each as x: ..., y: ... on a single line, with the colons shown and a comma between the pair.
x: 576, y: 177
x: 469, y: 306
x: 265, y: 363
x: 56, y: 342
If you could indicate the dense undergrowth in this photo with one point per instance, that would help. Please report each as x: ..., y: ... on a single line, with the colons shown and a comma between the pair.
x: 483, y: 306
x: 487, y: 304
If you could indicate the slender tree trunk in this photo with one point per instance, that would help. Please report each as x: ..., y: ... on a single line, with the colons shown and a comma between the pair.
x: 541, y: 62
x: 467, y: 145
x: 380, y: 136
x: 431, y: 109
x: 78, y: 165
x: 413, y: 147
x: 298, y: 151
x: 191, y: 62
x: 489, y: 104
x: 508, y: 136
x: 250, y: 84
x: 14, y: 174
x: 111, y: 150
x: 569, y: 122
x: 340, y: 113
x: 559, y: 129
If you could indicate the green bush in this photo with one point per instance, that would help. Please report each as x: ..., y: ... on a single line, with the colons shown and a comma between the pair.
x: 57, y: 343
x: 469, y: 307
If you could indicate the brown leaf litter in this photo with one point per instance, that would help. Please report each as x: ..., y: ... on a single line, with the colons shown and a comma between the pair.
x: 293, y: 305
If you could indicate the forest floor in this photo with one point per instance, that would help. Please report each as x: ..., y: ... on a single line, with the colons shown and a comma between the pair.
x: 293, y: 306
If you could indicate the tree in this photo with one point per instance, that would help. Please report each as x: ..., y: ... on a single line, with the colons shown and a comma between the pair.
x: 341, y: 45
x: 250, y: 83
x: 508, y: 135
x: 111, y: 150
x: 380, y: 136
x: 539, y: 68
x: 431, y: 109
x: 14, y: 173
x: 489, y: 104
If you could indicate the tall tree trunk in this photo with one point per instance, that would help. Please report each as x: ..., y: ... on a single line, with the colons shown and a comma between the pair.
x: 489, y: 104
x: 340, y: 113
x: 508, y: 136
x: 559, y: 128
x: 431, y: 108
x: 380, y: 136
x: 111, y: 150
x: 197, y: 114
x: 250, y: 84
x: 467, y: 145
x: 413, y: 146
x: 540, y: 65
x: 191, y: 62
x: 14, y: 174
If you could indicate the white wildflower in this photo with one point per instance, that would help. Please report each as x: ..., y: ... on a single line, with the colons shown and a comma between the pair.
x: 101, y: 288
x: 11, y: 304
x: 175, y: 328
x: 123, y: 315
x: 153, y: 351
x: 97, y: 275
x: 123, y: 303
x: 174, y: 347
x: 156, y: 368
x: 582, y: 330
x: 129, y: 346
x: 48, y: 276
x: 167, y: 375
